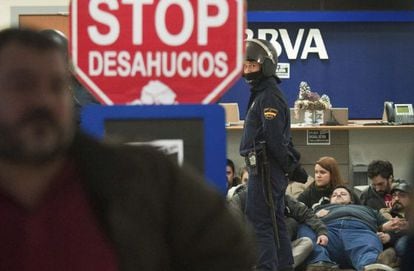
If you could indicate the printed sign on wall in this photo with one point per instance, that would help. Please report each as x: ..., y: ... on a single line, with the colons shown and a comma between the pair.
x: 157, y: 52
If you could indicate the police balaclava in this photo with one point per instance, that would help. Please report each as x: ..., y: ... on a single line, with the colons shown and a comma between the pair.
x: 262, y: 52
x: 253, y: 78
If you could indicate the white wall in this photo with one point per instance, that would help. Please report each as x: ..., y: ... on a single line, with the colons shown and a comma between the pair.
x: 10, y: 8
x: 393, y: 144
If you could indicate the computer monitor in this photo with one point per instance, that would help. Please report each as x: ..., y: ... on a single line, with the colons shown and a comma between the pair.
x: 232, y: 113
x: 194, y: 134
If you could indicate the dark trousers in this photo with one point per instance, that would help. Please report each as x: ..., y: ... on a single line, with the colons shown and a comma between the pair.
x: 258, y: 211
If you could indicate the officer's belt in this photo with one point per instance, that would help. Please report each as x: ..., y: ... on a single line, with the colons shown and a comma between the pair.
x: 258, y: 148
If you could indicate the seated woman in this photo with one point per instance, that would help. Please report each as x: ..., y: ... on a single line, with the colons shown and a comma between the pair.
x: 244, y: 175
x: 327, y: 176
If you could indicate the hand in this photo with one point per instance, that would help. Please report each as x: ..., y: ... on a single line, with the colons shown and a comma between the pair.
x: 392, y: 225
x: 322, y: 213
x: 384, y: 237
x: 322, y: 240
x: 403, y: 224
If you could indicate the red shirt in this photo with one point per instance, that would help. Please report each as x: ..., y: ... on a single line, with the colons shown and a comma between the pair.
x: 388, y: 200
x: 60, y: 234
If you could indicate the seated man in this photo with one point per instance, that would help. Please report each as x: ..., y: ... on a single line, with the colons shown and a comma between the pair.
x: 378, y: 195
x: 232, y: 179
x: 244, y: 178
x: 397, y: 214
x: 353, y: 242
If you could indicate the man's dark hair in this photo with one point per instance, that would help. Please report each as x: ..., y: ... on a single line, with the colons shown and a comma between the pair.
x: 230, y: 163
x: 380, y: 167
x: 353, y: 196
x: 29, y: 38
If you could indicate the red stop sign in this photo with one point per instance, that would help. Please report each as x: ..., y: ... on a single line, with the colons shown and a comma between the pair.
x: 157, y: 51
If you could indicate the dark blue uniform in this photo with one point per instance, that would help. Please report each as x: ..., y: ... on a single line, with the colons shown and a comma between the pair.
x: 268, y: 120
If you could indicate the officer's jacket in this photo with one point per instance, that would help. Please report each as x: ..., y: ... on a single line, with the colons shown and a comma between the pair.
x: 268, y: 120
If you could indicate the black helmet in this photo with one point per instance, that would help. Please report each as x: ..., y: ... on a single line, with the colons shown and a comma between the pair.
x: 403, y: 186
x: 263, y: 52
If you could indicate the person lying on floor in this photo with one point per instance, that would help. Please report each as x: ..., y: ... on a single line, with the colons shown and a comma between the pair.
x: 352, y: 234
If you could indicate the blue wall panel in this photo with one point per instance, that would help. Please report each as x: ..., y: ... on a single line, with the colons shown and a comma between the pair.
x: 369, y: 62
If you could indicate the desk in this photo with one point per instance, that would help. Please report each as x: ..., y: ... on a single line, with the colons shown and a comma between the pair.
x: 352, y: 125
x: 352, y: 144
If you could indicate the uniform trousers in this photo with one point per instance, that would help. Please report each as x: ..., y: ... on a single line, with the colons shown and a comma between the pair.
x: 258, y: 211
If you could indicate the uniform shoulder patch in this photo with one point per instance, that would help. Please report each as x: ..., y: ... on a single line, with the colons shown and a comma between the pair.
x: 270, y: 113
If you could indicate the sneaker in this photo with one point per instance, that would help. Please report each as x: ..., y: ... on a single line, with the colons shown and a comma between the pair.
x: 301, y: 248
x: 321, y: 266
x: 388, y: 257
x: 377, y: 267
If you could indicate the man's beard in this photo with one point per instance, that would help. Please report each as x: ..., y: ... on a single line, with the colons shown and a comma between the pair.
x: 36, y: 139
x: 381, y: 193
x: 397, y: 207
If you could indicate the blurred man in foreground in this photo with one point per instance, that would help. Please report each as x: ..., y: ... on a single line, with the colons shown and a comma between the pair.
x: 68, y: 202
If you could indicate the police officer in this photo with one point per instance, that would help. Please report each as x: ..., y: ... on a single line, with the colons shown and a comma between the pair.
x: 269, y: 153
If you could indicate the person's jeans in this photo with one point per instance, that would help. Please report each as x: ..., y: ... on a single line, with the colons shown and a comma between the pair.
x: 400, y: 246
x: 319, y: 253
x: 351, y: 244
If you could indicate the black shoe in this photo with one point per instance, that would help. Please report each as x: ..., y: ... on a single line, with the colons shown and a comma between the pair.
x: 321, y: 266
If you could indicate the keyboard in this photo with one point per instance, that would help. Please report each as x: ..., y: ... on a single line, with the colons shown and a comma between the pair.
x: 383, y: 123
x: 378, y: 123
